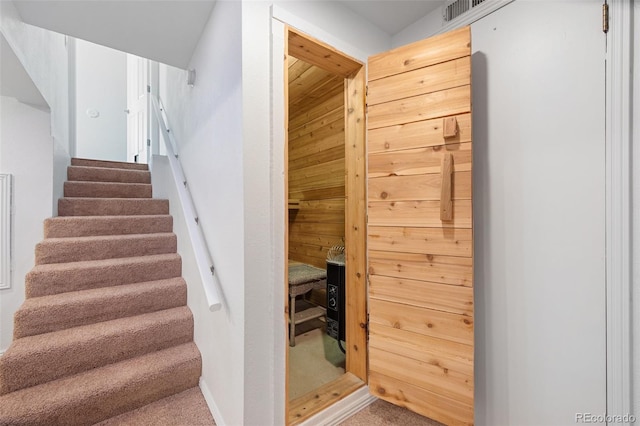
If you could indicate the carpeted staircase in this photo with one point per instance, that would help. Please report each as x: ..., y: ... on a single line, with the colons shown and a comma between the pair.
x: 104, y: 334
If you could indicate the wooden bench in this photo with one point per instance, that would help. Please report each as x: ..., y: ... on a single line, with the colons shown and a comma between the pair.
x: 302, y: 279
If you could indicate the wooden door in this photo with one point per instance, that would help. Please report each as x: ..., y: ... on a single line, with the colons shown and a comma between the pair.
x: 420, y: 235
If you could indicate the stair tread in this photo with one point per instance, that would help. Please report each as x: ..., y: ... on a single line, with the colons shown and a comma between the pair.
x: 29, y: 360
x: 80, y: 226
x: 107, y: 174
x: 122, y: 199
x: 44, y: 314
x: 70, y: 336
x: 54, y: 278
x: 80, y: 296
x: 114, y: 237
x: 104, y: 392
x: 103, y: 262
x: 110, y: 206
x: 73, y: 189
x: 108, y: 164
x: 108, y: 217
x: 75, y: 249
x: 185, y: 408
x: 100, y: 183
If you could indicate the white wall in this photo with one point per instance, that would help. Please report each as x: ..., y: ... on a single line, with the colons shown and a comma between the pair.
x: 26, y: 151
x: 207, y: 123
x: 45, y: 57
x: 101, y: 86
x: 422, y: 28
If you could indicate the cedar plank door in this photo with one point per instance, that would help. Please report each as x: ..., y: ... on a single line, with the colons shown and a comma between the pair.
x: 420, y: 235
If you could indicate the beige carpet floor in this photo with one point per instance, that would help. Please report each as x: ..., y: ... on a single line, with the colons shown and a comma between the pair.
x: 382, y: 413
x: 314, y: 360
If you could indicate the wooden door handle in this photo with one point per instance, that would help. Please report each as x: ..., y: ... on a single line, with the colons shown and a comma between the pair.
x: 446, y: 196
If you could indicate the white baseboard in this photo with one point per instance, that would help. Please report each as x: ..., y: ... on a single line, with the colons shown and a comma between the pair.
x: 213, y: 407
x: 343, y: 409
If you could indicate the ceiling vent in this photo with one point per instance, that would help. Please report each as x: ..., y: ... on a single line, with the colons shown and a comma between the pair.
x: 455, y: 8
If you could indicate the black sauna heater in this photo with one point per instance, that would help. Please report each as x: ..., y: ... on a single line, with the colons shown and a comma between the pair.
x: 336, y: 300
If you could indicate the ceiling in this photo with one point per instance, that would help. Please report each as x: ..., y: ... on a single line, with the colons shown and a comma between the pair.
x: 163, y: 30
x: 392, y: 16
x: 14, y: 80
x: 168, y: 30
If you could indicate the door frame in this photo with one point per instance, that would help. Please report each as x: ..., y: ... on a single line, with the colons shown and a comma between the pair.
x: 618, y: 124
x: 355, y: 209
x: 320, y: 54
x: 145, y: 108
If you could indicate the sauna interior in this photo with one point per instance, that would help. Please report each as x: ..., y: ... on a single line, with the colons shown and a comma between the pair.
x: 316, y: 210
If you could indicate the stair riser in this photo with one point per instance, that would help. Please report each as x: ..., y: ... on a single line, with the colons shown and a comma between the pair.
x: 62, y: 251
x: 105, y: 392
x: 43, y: 283
x: 107, y: 190
x: 106, y: 207
x: 108, y: 164
x: 28, y: 363
x: 91, y: 226
x: 100, y: 305
x: 99, y: 174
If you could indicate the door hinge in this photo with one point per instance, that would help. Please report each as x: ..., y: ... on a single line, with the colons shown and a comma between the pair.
x: 605, y: 17
x: 148, y: 142
x: 367, y: 327
x: 366, y: 100
x: 148, y: 88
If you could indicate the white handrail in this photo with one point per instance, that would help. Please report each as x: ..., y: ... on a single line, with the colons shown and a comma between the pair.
x: 203, y: 257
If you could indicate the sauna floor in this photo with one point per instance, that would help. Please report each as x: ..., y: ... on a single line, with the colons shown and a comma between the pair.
x: 316, y: 358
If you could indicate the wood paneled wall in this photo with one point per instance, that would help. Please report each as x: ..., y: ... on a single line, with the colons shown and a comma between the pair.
x: 316, y: 162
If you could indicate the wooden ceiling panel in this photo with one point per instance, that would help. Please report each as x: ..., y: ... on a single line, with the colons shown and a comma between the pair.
x: 310, y: 85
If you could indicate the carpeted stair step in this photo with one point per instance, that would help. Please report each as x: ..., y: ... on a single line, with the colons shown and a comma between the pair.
x: 107, y: 189
x: 111, y: 206
x: 61, y: 250
x: 108, y: 164
x: 45, y: 314
x: 34, y: 360
x: 84, y: 226
x: 185, y: 408
x: 57, y: 278
x: 103, y: 174
x: 101, y: 393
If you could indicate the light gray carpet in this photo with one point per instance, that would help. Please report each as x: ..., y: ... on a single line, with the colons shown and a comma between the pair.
x: 314, y: 360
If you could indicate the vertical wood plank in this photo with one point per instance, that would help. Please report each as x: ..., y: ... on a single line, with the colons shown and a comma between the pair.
x: 356, y: 226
